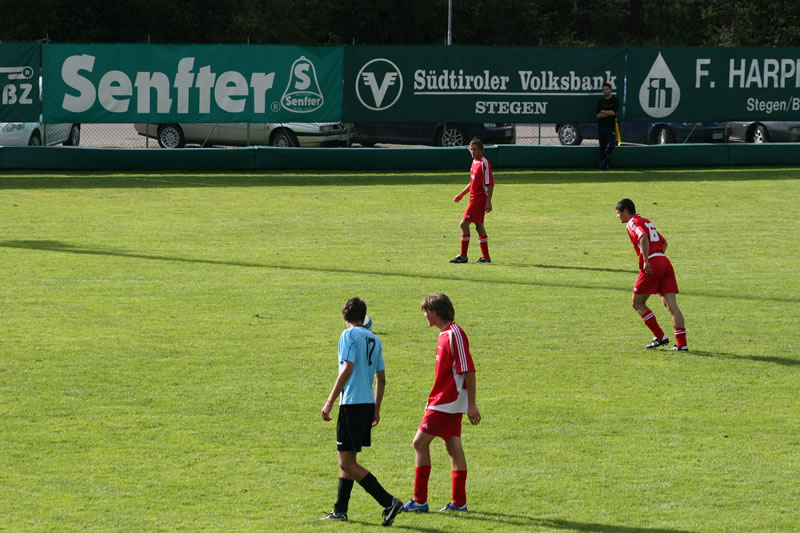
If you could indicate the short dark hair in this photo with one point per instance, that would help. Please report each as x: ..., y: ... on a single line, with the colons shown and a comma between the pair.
x: 354, y: 310
x: 476, y: 142
x: 606, y: 84
x: 441, y: 305
x: 626, y: 203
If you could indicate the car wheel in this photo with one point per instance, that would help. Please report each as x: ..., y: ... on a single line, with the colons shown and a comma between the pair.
x: 663, y: 135
x: 283, y: 138
x: 171, y: 136
x: 36, y: 139
x: 569, y: 135
x: 74, y: 138
x: 451, y: 136
x: 759, y: 135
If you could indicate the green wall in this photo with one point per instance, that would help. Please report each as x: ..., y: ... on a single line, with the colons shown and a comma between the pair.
x: 501, y: 156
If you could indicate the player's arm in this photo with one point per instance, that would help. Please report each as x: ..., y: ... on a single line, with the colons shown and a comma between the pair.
x: 473, y: 413
x: 489, y: 200
x: 380, y: 387
x: 644, y: 247
x: 338, y: 387
x: 460, y: 195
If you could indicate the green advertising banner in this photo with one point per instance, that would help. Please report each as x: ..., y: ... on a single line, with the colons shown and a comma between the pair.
x: 19, y: 82
x: 191, y: 83
x: 718, y: 84
x: 477, y: 84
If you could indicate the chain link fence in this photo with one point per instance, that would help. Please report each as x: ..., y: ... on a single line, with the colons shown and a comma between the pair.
x: 389, y: 135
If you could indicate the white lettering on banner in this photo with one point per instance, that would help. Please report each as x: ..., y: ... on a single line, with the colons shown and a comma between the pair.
x: 115, y: 90
x: 764, y: 73
x: 545, y: 82
x: 9, y: 94
x: 701, y: 72
x: 514, y: 108
x: 773, y: 106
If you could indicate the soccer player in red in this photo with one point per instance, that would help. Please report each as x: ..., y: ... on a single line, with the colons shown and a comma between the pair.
x: 480, y: 189
x: 452, y: 395
x: 656, y: 275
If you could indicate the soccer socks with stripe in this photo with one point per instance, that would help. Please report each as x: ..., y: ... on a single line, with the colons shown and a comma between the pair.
x: 650, y: 321
x: 464, y: 245
x: 459, y: 487
x: 484, y: 242
x: 343, y: 495
x: 680, y: 337
x: 421, y: 476
x: 375, y: 490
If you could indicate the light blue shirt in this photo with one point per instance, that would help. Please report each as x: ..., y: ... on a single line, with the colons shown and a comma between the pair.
x: 362, y: 348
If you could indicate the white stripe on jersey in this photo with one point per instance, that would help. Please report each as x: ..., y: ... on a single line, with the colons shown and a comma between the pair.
x: 458, y: 340
x: 636, y: 229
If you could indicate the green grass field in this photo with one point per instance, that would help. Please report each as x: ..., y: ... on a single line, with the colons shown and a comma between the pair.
x: 168, y: 340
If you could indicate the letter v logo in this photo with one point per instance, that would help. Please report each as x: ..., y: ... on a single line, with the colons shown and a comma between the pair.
x: 378, y: 96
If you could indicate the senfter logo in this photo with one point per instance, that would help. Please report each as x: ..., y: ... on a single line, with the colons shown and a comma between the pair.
x: 379, y: 84
x: 302, y: 94
x: 660, y: 94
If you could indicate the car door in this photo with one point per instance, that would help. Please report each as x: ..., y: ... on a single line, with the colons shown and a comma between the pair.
x: 56, y: 133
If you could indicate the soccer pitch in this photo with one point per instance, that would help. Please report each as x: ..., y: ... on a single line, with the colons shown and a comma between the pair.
x: 167, y: 342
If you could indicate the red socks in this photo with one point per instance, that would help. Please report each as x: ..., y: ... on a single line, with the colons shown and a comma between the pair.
x: 421, y: 476
x: 459, y: 491
x: 680, y: 337
x: 464, y: 245
x: 651, y: 322
x: 459, y: 487
x: 484, y: 242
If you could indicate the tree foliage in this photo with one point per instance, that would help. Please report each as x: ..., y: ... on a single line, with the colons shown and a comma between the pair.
x: 376, y: 22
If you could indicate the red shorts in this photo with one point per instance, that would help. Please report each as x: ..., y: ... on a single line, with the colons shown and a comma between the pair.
x: 661, y: 281
x: 441, y: 424
x: 476, y: 209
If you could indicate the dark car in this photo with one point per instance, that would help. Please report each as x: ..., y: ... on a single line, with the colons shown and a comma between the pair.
x: 434, y: 134
x: 765, y: 132
x: 647, y: 132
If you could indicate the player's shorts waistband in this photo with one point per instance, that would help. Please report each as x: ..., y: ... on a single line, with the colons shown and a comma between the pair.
x: 655, y: 255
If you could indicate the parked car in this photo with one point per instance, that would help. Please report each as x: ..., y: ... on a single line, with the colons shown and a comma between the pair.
x: 285, y: 134
x: 763, y: 132
x: 647, y: 132
x: 434, y: 134
x: 38, y: 134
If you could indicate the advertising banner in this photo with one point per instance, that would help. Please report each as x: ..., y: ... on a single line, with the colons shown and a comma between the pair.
x: 477, y: 84
x: 125, y: 83
x: 713, y: 84
x: 19, y: 82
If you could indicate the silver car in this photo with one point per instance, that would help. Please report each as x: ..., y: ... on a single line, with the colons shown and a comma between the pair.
x: 285, y: 134
x: 38, y: 134
x: 765, y: 131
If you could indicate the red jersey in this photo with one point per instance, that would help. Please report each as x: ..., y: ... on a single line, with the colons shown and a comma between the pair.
x: 480, y: 177
x: 638, y: 226
x: 449, y: 393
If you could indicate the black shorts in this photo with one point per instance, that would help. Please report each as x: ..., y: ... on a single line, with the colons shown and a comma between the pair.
x: 354, y: 426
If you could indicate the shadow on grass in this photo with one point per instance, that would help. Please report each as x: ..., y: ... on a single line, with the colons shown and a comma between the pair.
x: 317, y: 178
x: 563, y: 267
x: 57, y: 246
x: 785, y: 361
x: 490, y: 521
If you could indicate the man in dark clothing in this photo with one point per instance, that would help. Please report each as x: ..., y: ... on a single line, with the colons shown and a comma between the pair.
x: 607, y: 109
